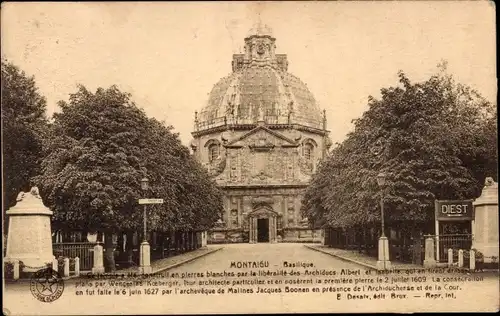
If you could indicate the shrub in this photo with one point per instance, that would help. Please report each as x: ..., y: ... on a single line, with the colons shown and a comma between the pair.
x: 60, y: 264
x: 8, y: 268
x: 479, y: 255
x: 22, y: 273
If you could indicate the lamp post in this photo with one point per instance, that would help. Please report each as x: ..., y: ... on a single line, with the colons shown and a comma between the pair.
x: 145, y: 259
x: 381, y: 184
x: 383, y: 262
x: 145, y: 187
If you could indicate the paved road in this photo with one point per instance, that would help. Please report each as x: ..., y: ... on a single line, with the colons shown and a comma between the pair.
x: 247, y: 259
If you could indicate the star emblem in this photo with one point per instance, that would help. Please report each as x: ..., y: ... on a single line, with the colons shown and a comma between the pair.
x: 47, y: 284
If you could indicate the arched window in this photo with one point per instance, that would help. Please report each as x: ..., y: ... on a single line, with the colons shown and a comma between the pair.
x: 308, y: 151
x: 213, y: 152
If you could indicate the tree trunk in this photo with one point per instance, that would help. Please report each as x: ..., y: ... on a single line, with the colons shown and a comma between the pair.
x: 109, y: 254
x: 169, y: 241
x: 129, y: 246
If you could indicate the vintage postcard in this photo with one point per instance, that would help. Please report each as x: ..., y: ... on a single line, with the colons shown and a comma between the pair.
x: 249, y: 157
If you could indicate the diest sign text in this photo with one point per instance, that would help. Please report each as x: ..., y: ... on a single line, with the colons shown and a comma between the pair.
x: 454, y: 210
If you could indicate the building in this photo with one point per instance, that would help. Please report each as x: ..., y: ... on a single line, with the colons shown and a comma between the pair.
x: 261, y: 135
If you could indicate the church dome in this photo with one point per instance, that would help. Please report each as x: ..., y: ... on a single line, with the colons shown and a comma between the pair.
x: 260, y: 88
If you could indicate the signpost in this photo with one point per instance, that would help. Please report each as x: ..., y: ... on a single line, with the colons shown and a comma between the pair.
x: 150, y: 201
x: 452, y: 210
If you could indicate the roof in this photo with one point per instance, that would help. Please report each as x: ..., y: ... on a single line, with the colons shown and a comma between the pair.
x: 260, y: 87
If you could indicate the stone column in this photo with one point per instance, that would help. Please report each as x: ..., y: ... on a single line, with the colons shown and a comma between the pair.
x: 77, y: 266
x: 66, y: 267
x: 55, y: 265
x: 273, y: 239
x: 16, y: 271
x: 256, y: 229
x: 486, y: 237
x: 98, y: 260
x: 430, y: 253
x: 145, y: 259
x: 271, y: 229
x: 240, y: 212
x: 29, y: 238
x: 383, y: 262
x: 460, y: 258
x: 472, y: 260
x: 204, y: 239
x: 275, y: 229
x: 250, y: 230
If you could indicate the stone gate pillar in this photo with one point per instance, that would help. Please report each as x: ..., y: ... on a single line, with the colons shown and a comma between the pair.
x: 29, y: 238
x: 272, y: 229
x: 486, y: 221
x: 253, y: 229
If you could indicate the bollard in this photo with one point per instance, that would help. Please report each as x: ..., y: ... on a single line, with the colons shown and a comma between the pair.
x: 472, y: 258
x: 450, y: 257
x: 16, y: 270
x: 66, y: 267
x: 77, y: 266
x: 98, y: 267
x: 460, y: 258
x: 55, y: 265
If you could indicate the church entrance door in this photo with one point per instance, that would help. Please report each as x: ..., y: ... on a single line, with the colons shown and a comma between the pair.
x: 263, y: 230
x: 262, y: 225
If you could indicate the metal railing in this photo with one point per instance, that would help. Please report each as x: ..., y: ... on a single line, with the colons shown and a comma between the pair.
x: 82, y: 250
x: 453, y: 241
x: 269, y: 119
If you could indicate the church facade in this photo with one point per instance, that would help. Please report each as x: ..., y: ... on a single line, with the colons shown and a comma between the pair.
x: 261, y: 136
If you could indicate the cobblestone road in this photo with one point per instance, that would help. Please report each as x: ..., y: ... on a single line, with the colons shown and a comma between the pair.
x: 245, y: 296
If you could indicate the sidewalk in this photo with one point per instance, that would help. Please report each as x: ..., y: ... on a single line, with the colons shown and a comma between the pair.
x: 358, y: 258
x: 175, y: 261
x: 158, y: 265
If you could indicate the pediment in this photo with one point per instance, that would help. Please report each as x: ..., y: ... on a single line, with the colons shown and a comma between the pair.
x: 263, y: 211
x: 262, y: 138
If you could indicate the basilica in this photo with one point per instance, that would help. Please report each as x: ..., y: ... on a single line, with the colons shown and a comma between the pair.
x: 261, y: 136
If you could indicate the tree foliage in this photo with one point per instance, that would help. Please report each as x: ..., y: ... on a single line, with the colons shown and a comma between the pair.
x: 102, y: 146
x: 24, y: 126
x: 434, y: 140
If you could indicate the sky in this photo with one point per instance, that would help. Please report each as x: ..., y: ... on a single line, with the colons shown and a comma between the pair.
x: 169, y: 55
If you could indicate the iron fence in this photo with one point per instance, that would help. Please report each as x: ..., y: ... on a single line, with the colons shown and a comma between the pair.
x: 455, y: 242
x: 82, y: 250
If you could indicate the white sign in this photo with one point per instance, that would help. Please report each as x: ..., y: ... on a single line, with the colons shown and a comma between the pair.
x: 150, y: 201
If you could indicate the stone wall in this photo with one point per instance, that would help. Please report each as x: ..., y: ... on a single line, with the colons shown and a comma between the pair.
x: 226, y: 236
x: 301, y: 235
x: 239, y: 203
x: 243, y: 159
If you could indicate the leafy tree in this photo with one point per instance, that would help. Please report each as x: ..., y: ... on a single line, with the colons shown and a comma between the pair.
x: 434, y: 140
x: 23, y: 127
x: 102, y: 146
